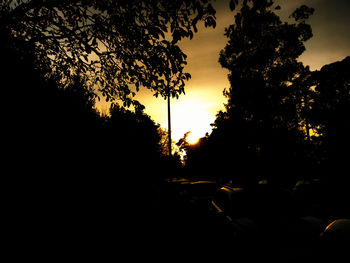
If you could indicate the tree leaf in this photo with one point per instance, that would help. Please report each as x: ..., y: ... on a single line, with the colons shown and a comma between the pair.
x: 233, y: 4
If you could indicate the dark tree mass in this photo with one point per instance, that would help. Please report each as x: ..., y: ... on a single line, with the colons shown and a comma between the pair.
x: 261, y: 119
x: 281, y: 121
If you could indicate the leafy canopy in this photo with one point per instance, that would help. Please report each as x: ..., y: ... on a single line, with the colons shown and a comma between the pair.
x: 261, y: 126
x: 119, y: 45
x: 261, y: 56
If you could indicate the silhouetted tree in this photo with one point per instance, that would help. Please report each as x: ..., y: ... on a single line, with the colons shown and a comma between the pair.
x: 183, y: 144
x: 133, y: 138
x: 118, y: 45
x: 79, y: 177
x: 76, y: 175
x: 260, y: 130
x: 330, y: 115
x: 197, y: 155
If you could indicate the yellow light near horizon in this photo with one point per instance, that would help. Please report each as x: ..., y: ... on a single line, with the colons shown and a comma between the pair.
x: 190, y: 115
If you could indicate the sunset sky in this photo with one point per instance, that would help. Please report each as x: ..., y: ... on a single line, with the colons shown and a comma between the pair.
x: 204, y: 92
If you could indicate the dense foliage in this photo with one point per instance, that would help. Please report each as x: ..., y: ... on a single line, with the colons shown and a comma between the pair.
x: 118, y: 46
x: 281, y: 122
x: 329, y: 115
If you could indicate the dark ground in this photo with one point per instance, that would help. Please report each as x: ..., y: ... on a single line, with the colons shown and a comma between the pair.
x: 161, y: 222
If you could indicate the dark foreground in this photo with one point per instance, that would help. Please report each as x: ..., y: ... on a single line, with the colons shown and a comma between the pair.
x: 165, y: 222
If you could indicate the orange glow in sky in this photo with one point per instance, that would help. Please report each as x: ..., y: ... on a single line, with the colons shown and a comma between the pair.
x: 196, y: 110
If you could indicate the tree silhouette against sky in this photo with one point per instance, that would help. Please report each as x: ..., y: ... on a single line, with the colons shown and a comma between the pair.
x: 260, y: 128
x: 119, y: 45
